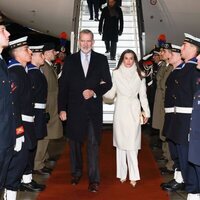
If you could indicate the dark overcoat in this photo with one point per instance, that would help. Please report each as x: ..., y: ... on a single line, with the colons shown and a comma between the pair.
x: 111, y: 26
x: 39, y: 94
x: 70, y: 99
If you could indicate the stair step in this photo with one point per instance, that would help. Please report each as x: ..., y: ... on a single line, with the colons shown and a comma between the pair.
x: 90, y: 23
x: 126, y: 18
x: 126, y: 29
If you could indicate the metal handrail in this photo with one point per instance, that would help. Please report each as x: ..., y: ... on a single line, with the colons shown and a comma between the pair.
x: 75, y: 25
x: 141, y: 29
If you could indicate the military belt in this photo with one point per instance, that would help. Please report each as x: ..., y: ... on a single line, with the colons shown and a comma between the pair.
x: 175, y: 109
x: 28, y: 118
x: 40, y: 105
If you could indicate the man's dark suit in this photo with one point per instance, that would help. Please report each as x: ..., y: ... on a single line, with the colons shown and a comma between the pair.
x: 84, y: 117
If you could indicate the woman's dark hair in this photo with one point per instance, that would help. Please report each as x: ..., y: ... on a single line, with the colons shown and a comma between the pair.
x: 135, y: 60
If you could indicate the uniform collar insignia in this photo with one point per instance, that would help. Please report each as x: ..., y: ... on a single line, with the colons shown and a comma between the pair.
x: 12, y: 63
x: 31, y: 66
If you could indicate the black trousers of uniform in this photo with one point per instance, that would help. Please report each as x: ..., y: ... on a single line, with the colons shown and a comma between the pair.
x: 193, y: 179
x: 187, y: 170
x: 174, y: 154
x: 5, y: 158
x: 93, y: 5
x: 92, y: 156
x: 194, y: 172
x: 30, y: 164
x: 16, y: 168
x: 112, y: 47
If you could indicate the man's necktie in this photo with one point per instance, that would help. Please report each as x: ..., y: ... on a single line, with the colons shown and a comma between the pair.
x: 85, y: 64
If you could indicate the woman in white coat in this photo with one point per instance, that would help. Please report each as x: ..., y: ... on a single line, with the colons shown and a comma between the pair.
x: 129, y: 89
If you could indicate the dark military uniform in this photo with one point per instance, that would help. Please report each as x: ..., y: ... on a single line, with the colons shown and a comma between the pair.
x: 7, y: 123
x: 194, y: 139
x: 171, y: 87
x: 39, y: 93
x: 24, y: 111
x: 181, y: 87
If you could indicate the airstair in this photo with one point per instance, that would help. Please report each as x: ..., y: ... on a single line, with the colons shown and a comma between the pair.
x: 128, y: 40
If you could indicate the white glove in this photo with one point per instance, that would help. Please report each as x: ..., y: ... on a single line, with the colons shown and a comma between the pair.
x: 18, y: 145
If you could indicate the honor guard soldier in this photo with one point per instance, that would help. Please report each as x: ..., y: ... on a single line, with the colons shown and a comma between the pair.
x: 21, y: 90
x: 7, y: 122
x: 181, y: 109
x: 39, y: 90
x: 171, y: 86
x: 164, y: 72
x: 194, y: 139
x: 146, y: 67
x: 54, y: 125
x: 39, y: 94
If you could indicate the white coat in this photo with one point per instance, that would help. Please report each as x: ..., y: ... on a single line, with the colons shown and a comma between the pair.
x: 130, y: 93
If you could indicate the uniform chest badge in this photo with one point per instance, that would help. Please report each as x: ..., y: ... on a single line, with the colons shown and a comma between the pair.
x: 13, y: 87
x: 198, y: 81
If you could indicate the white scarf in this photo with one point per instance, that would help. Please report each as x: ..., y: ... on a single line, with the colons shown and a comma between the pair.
x: 128, y: 72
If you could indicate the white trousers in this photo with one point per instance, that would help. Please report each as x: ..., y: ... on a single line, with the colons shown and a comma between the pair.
x: 127, y: 161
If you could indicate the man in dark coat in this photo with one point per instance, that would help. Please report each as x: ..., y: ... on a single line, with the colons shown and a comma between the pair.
x: 7, y: 123
x: 84, y: 80
x: 111, y: 25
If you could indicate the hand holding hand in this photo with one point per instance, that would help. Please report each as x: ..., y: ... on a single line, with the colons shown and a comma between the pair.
x: 87, y: 94
x: 18, y: 145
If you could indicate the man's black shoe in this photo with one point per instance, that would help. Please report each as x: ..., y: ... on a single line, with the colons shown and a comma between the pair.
x: 168, y: 183
x: 33, y: 186
x: 172, y: 186
x: 165, y: 171
x: 75, y: 180
x: 93, y: 187
x: 51, y: 161
x: 44, y: 171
